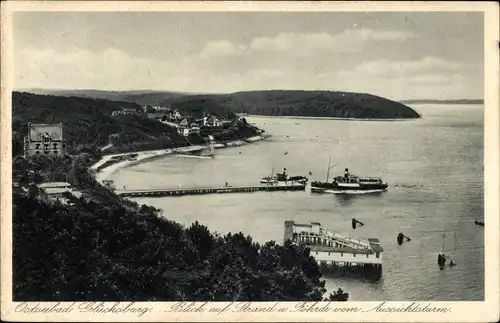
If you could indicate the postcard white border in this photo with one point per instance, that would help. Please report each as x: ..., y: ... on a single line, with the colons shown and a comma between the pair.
x: 485, y: 311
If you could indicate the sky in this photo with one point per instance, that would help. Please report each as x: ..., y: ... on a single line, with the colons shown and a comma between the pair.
x: 398, y: 55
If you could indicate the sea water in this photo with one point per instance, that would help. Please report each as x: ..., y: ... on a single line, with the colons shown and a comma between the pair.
x: 434, y: 168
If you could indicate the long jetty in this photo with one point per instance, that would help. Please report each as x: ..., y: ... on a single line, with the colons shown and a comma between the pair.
x: 209, y: 190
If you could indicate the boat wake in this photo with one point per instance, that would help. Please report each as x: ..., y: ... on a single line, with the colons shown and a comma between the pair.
x: 407, y: 185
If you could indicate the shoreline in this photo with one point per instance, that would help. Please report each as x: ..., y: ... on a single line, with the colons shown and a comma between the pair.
x: 143, y: 156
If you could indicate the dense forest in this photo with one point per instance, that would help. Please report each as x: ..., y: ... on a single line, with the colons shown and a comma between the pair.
x: 306, y: 104
x: 106, y: 251
x: 88, y: 121
x: 142, y: 97
x: 275, y: 103
x: 102, y: 247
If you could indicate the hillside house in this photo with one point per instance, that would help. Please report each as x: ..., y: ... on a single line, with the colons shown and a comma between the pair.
x: 195, y: 129
x: 212, y: 121
x: 156, y: 108
x: 184, y: 128
x: 184, y: 123
x: 56, y: 190
x: 127, y: 112
x: 177, y: 114
x: 184, y: 131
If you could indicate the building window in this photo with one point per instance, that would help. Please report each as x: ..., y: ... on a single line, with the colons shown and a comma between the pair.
x: 377, y: 254
x: 354, y: 255
x: 342, y: 254
x: 366, y: 255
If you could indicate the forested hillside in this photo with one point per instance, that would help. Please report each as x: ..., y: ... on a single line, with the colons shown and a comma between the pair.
x: 89, y: 122
x: 303, y: 103
x: 274, y: 103
x: 143, y: 97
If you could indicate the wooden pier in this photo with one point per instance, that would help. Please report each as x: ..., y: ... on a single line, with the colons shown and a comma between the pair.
x: 209, y: 190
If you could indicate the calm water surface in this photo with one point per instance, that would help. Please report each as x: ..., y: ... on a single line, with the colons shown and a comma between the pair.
x: 434, y: 167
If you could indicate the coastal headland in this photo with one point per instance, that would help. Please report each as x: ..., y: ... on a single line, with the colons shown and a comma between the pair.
x: 334, y: 104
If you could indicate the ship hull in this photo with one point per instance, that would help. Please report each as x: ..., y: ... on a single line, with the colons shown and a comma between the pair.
x: 332, y: 188
x: 293, y: 179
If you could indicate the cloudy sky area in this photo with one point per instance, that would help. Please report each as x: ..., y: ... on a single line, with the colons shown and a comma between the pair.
x: 395, y: 55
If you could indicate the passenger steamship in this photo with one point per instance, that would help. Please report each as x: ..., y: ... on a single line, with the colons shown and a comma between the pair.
x: 349, y: 183
x: 283, y: 178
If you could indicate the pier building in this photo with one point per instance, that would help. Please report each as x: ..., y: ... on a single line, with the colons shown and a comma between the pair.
x: 334, y: 251
x: 44, y: 139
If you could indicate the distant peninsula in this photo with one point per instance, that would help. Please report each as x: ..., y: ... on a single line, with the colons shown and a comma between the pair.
x: 455, y: 101
x: 333, y: 104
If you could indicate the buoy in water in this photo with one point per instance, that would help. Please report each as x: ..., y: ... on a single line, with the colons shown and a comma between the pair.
x: 441, y: 260
x: 355, y: 222
x: 400, y: 238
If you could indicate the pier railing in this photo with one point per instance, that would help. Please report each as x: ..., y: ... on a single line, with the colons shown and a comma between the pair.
x: 346, y: 240
x: 207, y: 190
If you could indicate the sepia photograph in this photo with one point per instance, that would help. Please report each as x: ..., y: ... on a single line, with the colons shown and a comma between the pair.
x: 322, y: 157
